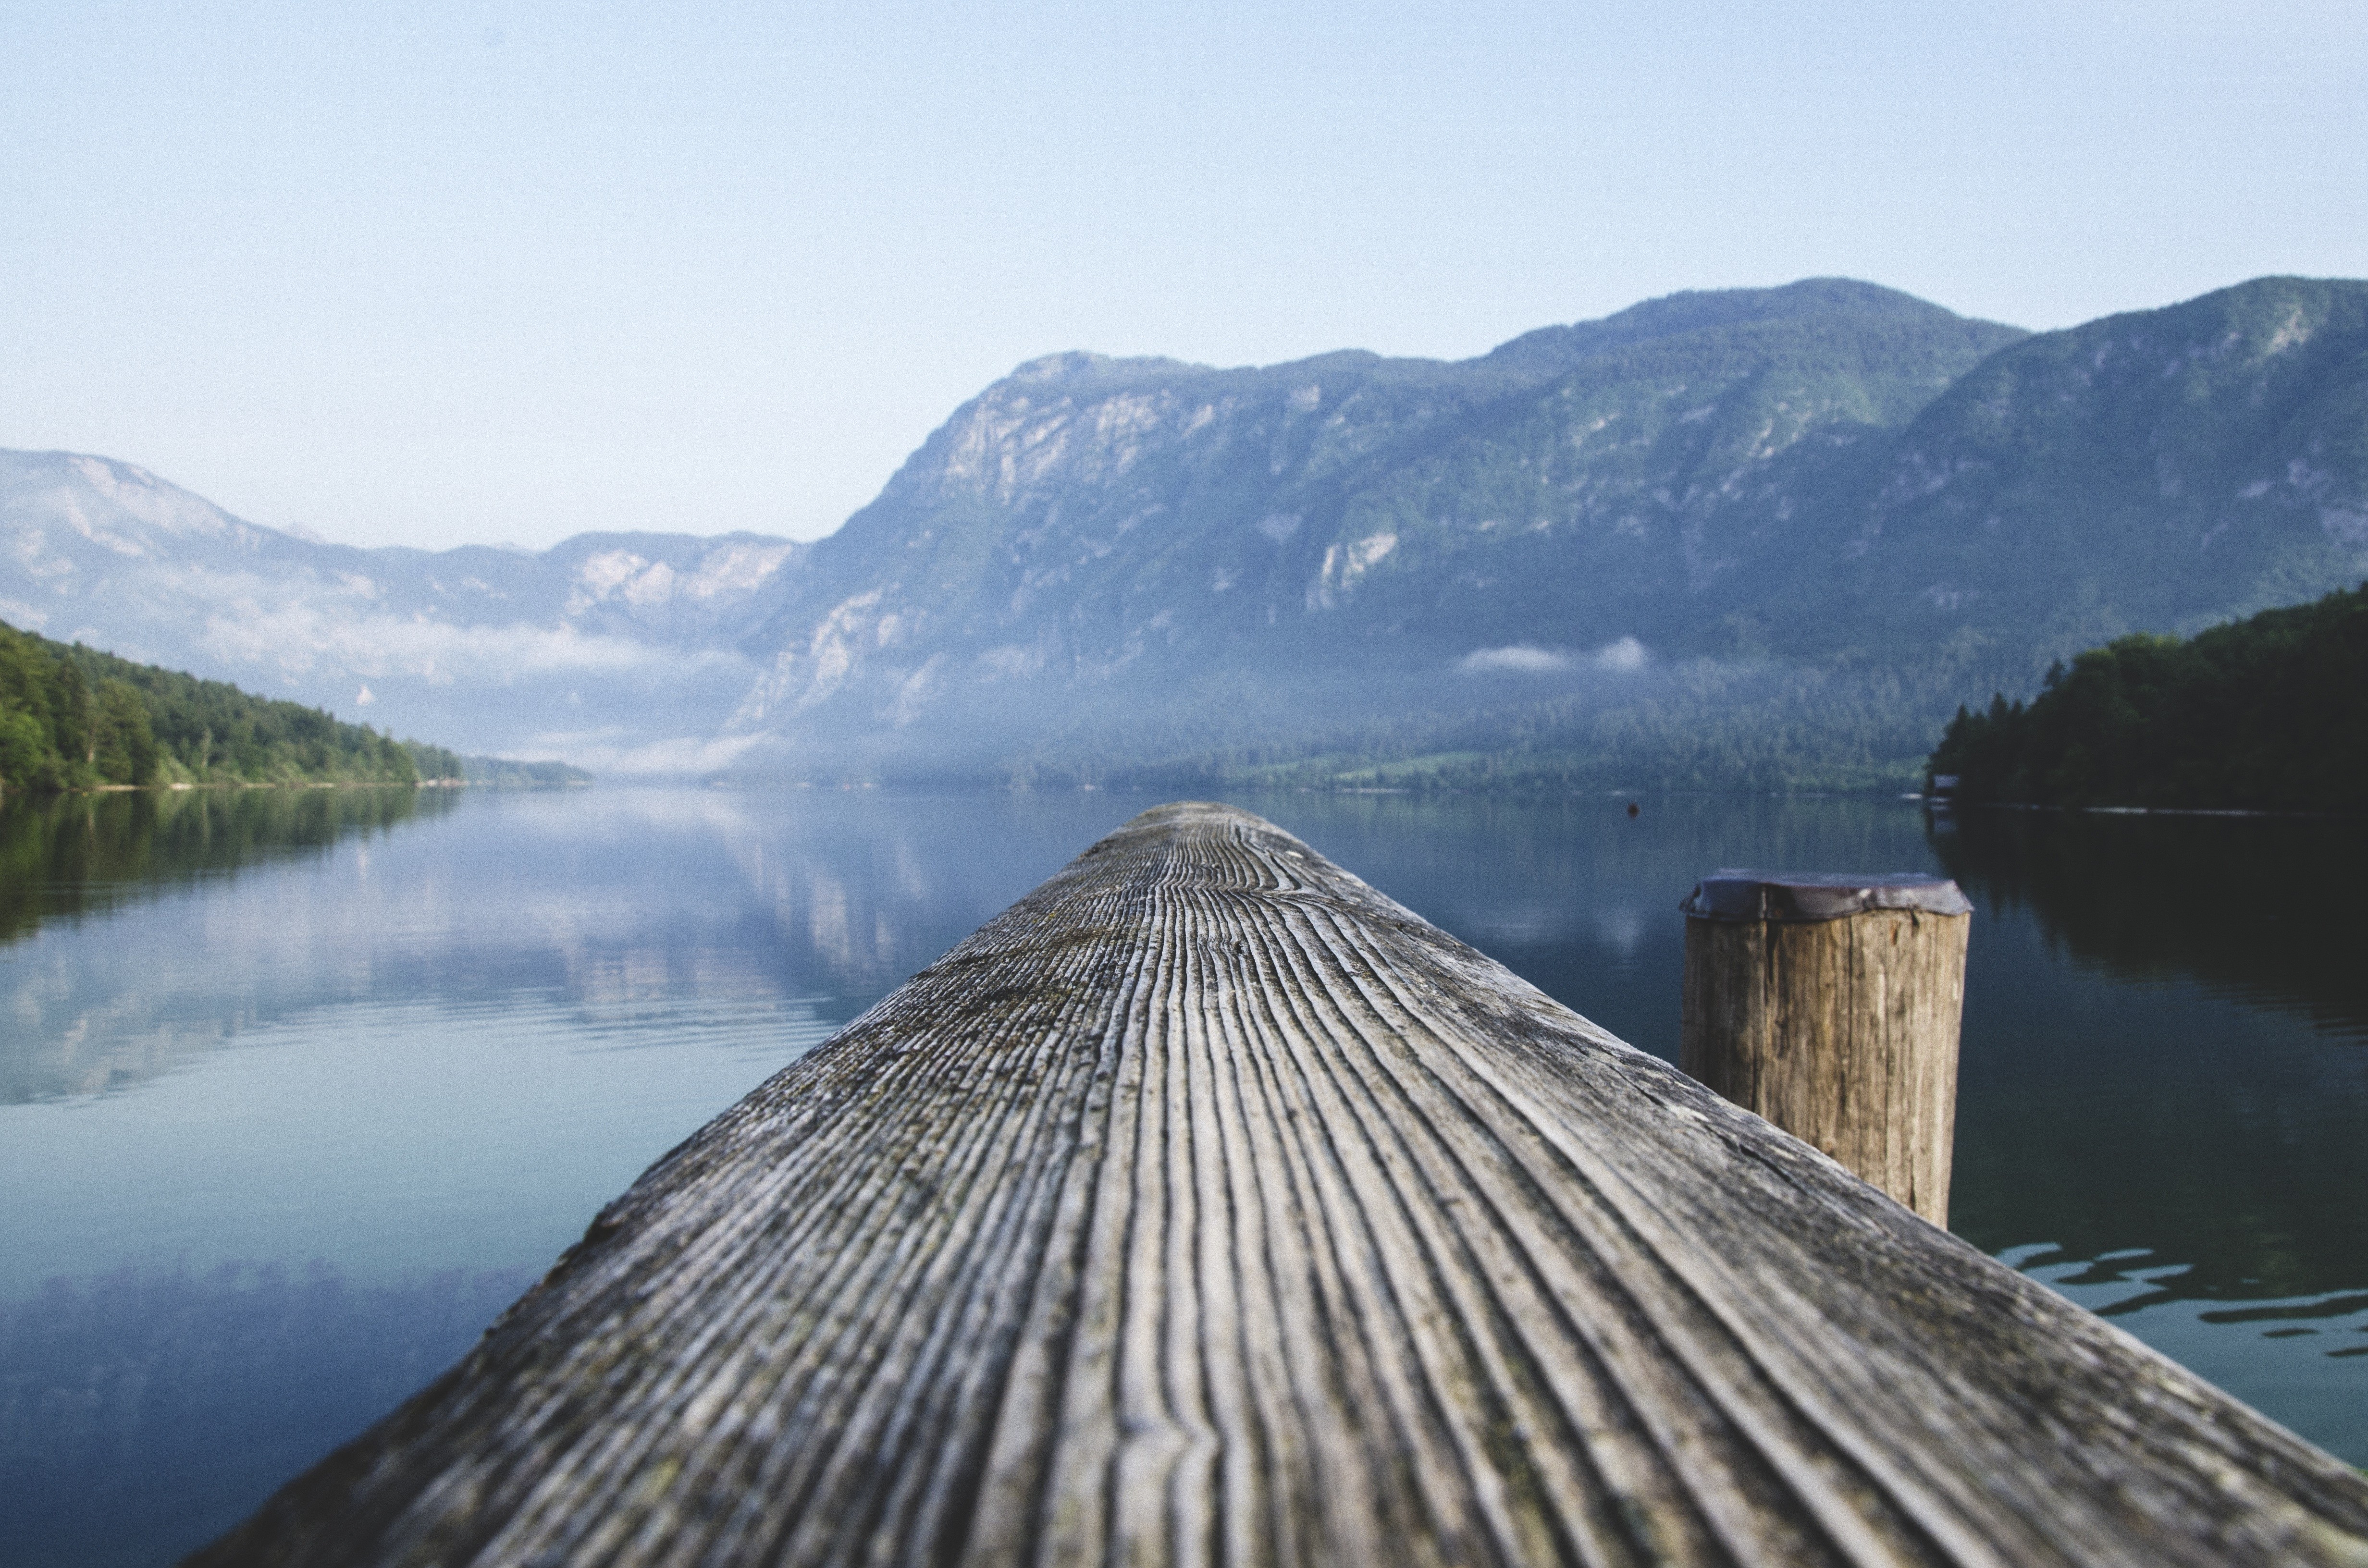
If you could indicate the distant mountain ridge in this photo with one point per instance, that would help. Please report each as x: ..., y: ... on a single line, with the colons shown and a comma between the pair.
x: 605, y: 641
x: 1085, y: 514
x: 1767, y: 537
x: 1810, y: 520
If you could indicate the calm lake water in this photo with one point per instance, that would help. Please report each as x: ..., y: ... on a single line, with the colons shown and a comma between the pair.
x: 298, y: 1089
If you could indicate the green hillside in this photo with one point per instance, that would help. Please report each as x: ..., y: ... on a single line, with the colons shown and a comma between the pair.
x: 1756, y: 539
x: 2160, y: 470
x: 73, y: 718
x: 1579, y: 485
x: 2266, y: 714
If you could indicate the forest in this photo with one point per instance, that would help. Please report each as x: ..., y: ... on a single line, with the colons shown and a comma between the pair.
x: 2265, y: 714
x: 73, y: 718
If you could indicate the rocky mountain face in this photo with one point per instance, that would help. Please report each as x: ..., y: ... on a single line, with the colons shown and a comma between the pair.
x: 2159, y: 470
x: 1085, y: 517
x: 1830, y: 505
x: 607, y: 646
x: 1754, y: 535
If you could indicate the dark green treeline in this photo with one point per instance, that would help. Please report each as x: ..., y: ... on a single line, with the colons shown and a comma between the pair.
x: 73, y: 718
x: 2265, y: 714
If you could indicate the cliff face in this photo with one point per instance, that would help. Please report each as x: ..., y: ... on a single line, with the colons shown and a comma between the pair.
x: 1089, y: 521
x: 2159, y: 470
x: 1828, y: 478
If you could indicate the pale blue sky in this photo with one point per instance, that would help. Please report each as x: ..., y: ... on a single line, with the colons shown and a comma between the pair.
x: 433, y: 274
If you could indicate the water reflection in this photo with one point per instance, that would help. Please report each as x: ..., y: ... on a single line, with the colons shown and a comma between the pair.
x: 71, y: 855
x: 616, y: 910
x: 380, y: 1055
x: 2263, y: 910
x: 136, y: 1402
x: 2193, y: 1082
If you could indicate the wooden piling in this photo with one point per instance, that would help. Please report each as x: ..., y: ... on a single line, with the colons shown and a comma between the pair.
x: 1829, y: 1005
x: 1207, y: 1208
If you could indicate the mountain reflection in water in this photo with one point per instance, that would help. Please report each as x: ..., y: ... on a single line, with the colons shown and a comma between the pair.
x: 299, y: 1087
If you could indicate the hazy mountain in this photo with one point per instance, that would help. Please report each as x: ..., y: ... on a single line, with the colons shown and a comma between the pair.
x: 2159, y: 470
x: 1745, y: 537
x: 1095, y: 532
x: 606, y: 643
x: 1753, y: 536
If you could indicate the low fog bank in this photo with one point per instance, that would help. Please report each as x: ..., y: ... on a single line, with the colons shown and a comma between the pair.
x: 1521, y: 717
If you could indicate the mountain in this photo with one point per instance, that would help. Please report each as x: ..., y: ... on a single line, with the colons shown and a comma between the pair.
x: 2165, y: 469
x: 1094, y: 543
x: 1766, y: 537
x: 602, y: 645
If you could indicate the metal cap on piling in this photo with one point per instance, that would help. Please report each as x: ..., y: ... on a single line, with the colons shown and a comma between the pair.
x: 1819, y: 895
x: 1829, y: 1002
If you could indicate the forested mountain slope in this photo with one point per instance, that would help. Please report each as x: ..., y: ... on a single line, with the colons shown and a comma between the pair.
x: 1759, y: 538
x: 2157, y: 470
x: 1753, y: 537
x: 1085, y: 517
x: 72, y: 717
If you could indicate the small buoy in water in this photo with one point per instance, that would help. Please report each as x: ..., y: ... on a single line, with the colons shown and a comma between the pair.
x: 1634, y: 808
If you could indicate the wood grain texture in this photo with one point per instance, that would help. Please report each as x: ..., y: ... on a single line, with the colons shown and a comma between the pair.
x: 1842, y: 1032
x: 1207, y: 1208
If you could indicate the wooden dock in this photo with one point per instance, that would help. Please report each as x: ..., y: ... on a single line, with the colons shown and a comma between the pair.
x: 1207, y: 1208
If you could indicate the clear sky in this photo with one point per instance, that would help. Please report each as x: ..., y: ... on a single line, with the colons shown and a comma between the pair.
x: 436, y: 274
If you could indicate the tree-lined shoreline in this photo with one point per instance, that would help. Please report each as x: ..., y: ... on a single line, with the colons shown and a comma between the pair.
x: 2265, y: 714
x: 73, y: 718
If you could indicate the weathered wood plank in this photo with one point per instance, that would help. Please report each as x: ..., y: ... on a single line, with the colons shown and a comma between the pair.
x: 1207, y: 1207
x: 1835, y: 1017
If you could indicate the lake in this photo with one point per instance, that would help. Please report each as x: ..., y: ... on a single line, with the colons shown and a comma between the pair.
x: 299, y: 1088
